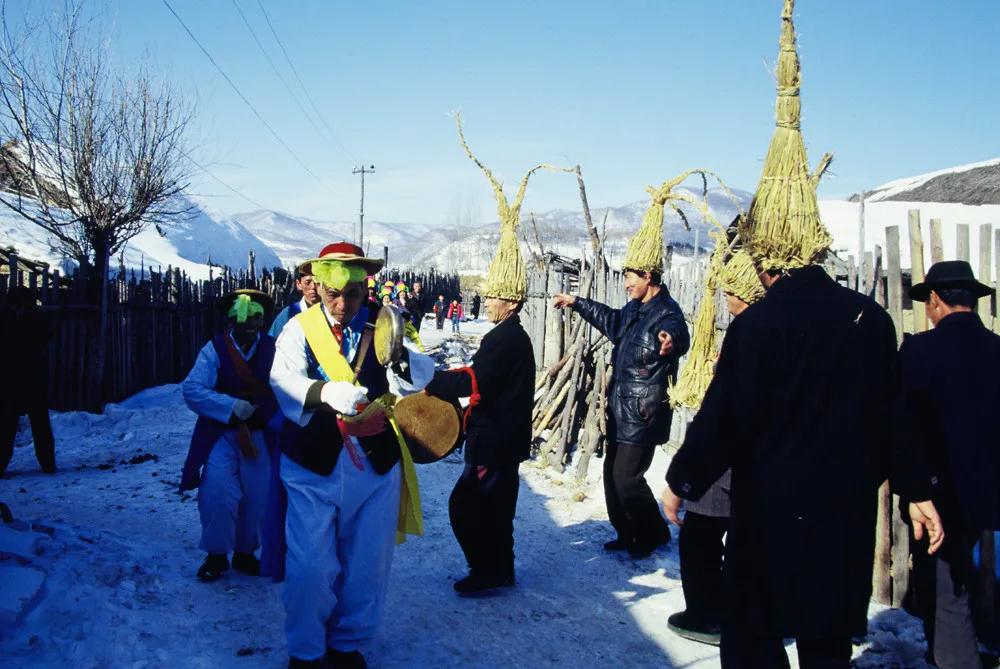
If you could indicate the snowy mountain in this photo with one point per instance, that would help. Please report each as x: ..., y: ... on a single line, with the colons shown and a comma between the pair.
x: 449, y: 248
x: 966, y: 194
x: 189, y: 242
x: 973, y: 184
x: 565, y: 232
x: 296, y: 238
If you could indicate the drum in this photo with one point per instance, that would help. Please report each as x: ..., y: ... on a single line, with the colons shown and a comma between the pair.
x: 432, y: 426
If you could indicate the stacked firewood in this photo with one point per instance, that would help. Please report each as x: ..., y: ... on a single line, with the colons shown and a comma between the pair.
x: 569, y: 419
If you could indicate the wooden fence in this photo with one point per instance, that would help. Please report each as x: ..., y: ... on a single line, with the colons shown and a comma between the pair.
x: 158, y: 320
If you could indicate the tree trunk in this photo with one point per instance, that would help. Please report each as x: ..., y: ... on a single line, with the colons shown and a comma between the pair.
x: 99, y: 345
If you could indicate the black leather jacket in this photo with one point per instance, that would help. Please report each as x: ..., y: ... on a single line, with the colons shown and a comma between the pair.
x: 638, y: 391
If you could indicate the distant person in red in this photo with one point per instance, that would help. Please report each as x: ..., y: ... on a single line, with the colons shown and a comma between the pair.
x: 455, y: 314
x: 28, y: 366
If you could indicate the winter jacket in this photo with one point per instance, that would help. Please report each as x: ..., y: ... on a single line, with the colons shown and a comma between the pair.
x: 798, y: 409
x: 638, y: 390
x: 944, y: 414
x: 455, y: 311
x: 498, y: 430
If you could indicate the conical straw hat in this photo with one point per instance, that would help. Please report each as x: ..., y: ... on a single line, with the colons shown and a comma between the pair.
x: 784, y: 230
x: 507, y: 277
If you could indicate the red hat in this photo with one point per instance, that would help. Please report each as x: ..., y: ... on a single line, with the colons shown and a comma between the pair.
x: 349, y: 253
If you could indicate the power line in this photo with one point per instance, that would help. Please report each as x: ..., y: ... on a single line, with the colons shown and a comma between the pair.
x: 243, y: 97
x: 284, y: 82
x: 299, y: 79
x: 232, y: 188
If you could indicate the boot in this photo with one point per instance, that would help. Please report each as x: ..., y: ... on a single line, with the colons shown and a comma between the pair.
x: 213, y: 566
x: 616, y: 544
x: 340, y: 659
x: 478, y: 583
x: 246, y: 563
x: 685, y: 625
x: 642, y: 548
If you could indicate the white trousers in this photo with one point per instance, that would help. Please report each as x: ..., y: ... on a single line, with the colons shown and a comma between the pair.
x: 341, y: 533
x: 232, y: 496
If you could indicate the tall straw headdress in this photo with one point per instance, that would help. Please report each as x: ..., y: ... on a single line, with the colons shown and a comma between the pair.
x: 784, y: 230
x: 645, y: 248
x: 507, y: 277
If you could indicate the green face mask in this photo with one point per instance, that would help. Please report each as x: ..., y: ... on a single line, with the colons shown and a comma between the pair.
x: 335, y: 274
x: 243, y: 308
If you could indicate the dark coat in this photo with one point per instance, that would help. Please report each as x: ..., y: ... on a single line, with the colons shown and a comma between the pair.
x: 798, y: 409
x: 638, y: 389
x: 498, y: 429
x: 945, y: 423
x: 228, y: 382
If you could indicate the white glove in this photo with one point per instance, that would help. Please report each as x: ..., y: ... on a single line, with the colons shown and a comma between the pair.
x: 343, y: 397
x: 243, y: 409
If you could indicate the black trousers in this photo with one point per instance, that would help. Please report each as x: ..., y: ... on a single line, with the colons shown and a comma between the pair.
x: 740, y: 650
x: 632, y: 509
x: 941, y: 587
x: 482, y: 508
x: 41, y: 432
x: 701, y: 552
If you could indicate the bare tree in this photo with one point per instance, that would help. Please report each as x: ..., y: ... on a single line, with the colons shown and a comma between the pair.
x: 90, y: 155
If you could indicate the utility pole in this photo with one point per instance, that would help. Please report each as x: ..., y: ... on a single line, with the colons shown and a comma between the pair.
x: 361, y: 217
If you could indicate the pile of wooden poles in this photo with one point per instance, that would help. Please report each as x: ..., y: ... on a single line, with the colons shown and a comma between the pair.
x: 569, y: 418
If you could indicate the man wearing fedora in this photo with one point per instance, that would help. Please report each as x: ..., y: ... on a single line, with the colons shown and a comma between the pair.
x: 348, y: 480
x: 944, y: 413
x: 228, y: 460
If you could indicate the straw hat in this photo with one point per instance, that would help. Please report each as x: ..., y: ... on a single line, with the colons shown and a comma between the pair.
x: 348, y: 253
x: 783, y: 230
x: 507, y: 277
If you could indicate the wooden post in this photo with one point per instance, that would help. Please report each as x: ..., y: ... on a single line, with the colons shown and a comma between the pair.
x: 881, y: 574
x: 900, y: 556
x: 996, y: 285
x: 937, y: 245
x: 985, y: 260
x: 917, y: 269
x: 879, y: 287
x: 962, y: 234
x: 894, y: 279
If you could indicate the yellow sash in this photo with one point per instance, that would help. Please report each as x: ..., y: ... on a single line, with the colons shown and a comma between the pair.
x: 330, y: 357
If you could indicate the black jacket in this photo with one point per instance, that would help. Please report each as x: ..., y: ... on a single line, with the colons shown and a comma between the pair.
x: 498, y: 431
x: 640, y: 374
x: 798, y: 409
x: 945, y: 415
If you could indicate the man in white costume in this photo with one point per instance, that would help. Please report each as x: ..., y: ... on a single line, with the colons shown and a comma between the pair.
x: 349, y: 479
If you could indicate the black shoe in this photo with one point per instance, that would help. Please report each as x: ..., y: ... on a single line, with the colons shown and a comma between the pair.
x: 339, y: 659
x: 617, y: 544
x: 296, y: 663
x: 477, y: 583
x: 246, y: 563
x: 640, y: 549
x: 684, y: 625
x: 213, y: 566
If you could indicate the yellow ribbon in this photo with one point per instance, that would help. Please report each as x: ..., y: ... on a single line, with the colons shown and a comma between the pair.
x: 327, y: 350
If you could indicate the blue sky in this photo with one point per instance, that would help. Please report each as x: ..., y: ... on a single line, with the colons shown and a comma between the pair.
x: 634, y: 91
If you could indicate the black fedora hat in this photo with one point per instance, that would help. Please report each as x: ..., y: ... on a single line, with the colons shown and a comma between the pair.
x: 949, y: 274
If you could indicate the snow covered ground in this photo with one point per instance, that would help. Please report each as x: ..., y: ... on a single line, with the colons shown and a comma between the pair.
x: 118, y: 546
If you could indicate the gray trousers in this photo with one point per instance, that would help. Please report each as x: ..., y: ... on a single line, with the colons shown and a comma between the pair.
x: 942, y: 598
